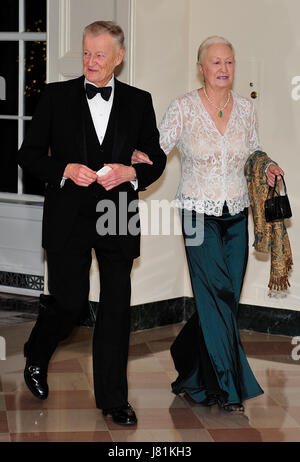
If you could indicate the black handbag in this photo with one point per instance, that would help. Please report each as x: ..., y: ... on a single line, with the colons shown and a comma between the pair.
x: 277, y: 207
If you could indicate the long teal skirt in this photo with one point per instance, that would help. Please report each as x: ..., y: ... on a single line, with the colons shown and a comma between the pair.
x: 208, y: 353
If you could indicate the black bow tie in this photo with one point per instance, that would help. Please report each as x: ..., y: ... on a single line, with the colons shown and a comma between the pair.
x: 91, y: 91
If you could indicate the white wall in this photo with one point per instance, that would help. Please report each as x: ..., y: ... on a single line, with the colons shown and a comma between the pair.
x: 160, y: 65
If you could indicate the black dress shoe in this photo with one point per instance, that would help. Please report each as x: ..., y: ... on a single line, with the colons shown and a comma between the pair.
x: 36, y: 380
x: 123, y: 415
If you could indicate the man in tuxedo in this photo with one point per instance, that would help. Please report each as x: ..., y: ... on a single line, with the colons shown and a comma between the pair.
x: 87, y: 123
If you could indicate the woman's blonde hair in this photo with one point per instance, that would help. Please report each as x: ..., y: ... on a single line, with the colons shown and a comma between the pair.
x: 208, y: 42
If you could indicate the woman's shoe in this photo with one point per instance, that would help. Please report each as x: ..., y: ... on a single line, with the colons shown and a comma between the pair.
x: 234, y: 408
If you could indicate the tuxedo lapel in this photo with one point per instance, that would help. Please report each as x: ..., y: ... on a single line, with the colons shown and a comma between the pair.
x: 84, y: 112
x: 120, y: 106
x: 77, y: 102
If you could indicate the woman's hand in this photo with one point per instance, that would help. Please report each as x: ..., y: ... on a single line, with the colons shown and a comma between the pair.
x: 139, y: 157
x: 272, y: 172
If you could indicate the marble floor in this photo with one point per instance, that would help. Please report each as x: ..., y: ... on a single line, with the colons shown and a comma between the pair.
x: 69, y: 413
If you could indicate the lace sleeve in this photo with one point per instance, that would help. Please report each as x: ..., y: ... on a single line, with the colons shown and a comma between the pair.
x: 170, y: 127
x: 254, y: 143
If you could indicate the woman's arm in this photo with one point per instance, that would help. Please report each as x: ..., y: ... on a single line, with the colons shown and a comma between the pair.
x: 170, y: 130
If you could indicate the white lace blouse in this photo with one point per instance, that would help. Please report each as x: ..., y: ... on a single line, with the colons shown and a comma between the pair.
x: 212, y: 165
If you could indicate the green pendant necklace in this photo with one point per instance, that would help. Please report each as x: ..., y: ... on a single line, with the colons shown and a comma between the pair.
x: 220, y: 109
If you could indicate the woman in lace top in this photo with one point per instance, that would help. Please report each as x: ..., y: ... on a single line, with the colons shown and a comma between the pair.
x: 215, y: 130
x: 213, y: 152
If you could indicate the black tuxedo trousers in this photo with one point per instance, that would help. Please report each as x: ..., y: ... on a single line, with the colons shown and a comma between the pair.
x: 68, y: 281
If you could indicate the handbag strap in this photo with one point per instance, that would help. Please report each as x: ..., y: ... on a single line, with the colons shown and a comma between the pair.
x: 273, y: 188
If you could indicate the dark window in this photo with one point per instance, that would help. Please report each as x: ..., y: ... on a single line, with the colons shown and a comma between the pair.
x: 9, y: 71
x: 35, y: 15
x: 35, y: 74
x: 9, y: 15
x: 22, y: 80
x: 32, y: 185
x: 8, y: 150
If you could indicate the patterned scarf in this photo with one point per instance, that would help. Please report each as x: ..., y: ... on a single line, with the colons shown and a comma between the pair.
x: 268, y: 236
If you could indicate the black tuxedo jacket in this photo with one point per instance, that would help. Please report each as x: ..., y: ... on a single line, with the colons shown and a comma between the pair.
x: 58, y: 125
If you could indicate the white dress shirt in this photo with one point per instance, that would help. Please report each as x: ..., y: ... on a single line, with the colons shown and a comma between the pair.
x: 100, y: 109
x: 100, y: 112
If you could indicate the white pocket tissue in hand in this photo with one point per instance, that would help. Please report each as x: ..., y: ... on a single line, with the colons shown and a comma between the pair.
x: 104, y: 170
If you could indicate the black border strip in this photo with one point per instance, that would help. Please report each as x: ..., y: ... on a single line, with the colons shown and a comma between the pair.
x: 22, y: 281
x: 172, y: 311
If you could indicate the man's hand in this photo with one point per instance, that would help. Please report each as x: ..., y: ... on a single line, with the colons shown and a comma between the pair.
x: 139, y: 157
x: 272, y: 172
x: 119, y: 174
x: 80, y: 174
